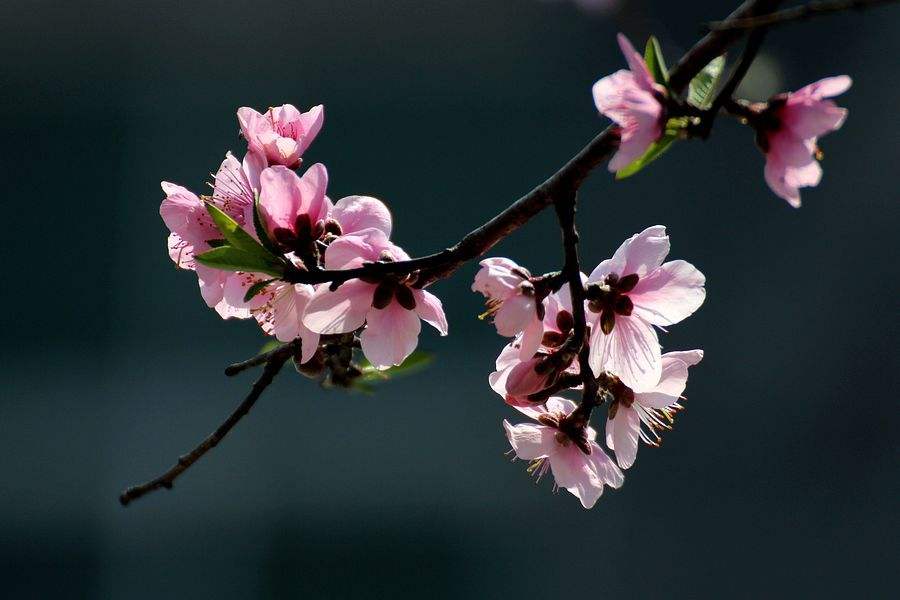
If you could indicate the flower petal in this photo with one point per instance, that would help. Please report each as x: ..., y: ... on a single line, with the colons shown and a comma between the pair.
x: 340, y: 311
x: 356, y: 213
x: 430, y: 310
x: 390, y: 336
x: 669, y: 294
x: 626, y: 429
x: 528, y: 440
x: 631, y: 351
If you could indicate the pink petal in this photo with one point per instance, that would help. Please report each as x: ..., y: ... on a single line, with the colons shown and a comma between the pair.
x: 531, y: 338
x: 390, y: 336
x: 530, y: 441
x: 640, y: 254
x: 515, y: 314
x: 430, y: 310
x: 669, y: 294
x: 496, y: 278
x: 238, y: 284
x: 558, y: 404
x: 280, y: 200
x: 826, y: 88
x: 341, y: 311
x: 631, y: 352
x: 688, y: 357
x: 608, y: 95
x: 808, y: 175
x: 813, y: 119
x: 287, y: 309
x: 775, y: 172
x: 636, y: 63
x: 351, y: 251
x: 626, y: 428
x: 356, y: 213
x: 575, y: 471
x: 313, y: 184
x: 311, y: 122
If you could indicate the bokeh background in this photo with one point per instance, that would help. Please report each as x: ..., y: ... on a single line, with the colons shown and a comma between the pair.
x: 780, y: 479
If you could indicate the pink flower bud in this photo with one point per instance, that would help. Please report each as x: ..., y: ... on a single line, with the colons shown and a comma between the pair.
x: 282, y: 134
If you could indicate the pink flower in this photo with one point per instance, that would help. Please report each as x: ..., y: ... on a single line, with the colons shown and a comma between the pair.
x: 390, y: 309
x: 511, y: 299
x: 192, y: 229
x: 630, y: 293
x: 653, y: 407
x: 578, y: 463
x: 635, y: 102
x: 283, y: 134
x: 525, y: 367
x: 293, y: 209
x: 788, y: 130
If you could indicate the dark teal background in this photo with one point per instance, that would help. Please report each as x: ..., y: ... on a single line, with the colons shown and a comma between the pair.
x: 780, y: 479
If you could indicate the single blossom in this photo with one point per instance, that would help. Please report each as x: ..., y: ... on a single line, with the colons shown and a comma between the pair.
x: 521, y: 373
x: 630, y: 293
x: 512, y: 300
x: 293, y: 209
x: 577, y: 462
x: 389, y: 308
x: 634, y: 101
x: 192, y: 229
x: 282, y: 134
x: 787, y: 132
x: 643, y: 412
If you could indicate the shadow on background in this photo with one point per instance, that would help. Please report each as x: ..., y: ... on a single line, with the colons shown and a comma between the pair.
x: 780, y: 478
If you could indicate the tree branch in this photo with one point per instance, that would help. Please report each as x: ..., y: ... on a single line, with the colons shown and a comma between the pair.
x: 795, y: 13
x: 274, y: 362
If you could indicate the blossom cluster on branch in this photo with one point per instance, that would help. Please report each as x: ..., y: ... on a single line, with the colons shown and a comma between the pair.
x: 325, y: 280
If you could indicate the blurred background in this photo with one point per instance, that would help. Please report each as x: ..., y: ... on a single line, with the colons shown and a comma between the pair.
x: 780, y: 478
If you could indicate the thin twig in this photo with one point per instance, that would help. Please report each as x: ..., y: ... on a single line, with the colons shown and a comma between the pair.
x: 238, y: 367
x: 273, y: 365
x: 795, y: 13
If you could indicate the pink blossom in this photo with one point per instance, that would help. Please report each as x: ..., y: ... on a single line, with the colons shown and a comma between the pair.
x: 630, y: 293
x: 788, y: 130
x: 282, y: 134
x: 511, y: 299
x: 293, y: 209
x: 578, y: 463
x: 192, y: 229
x: 390, y: 308
x: 523, y: 368
x: 635, y: 102
x: 643, y: 412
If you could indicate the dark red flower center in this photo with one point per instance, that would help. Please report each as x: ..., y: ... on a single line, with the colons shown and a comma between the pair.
x: 610, y: 298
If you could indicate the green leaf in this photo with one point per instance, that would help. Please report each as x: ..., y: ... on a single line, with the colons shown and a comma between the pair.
x: 269, y: 346
x: 235, y: 235
x: 229, y: 258
x: 653, y: 152
x: 261, y: 232
x: 656, y: 64
x: 701, y: 87
x: 216, y: 243
x: 256, y: 288
x: 415, y: 362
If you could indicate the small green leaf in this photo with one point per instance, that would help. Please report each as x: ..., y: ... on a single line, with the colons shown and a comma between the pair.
x: 415, y: 362
x: 269, y: 346
x: 235, y: 235
x: 701, y: 87
x: 655, y: 62
x: 256, y: 288
x: 653, y: 152
x: 229, y: 258
x: 261, y: 232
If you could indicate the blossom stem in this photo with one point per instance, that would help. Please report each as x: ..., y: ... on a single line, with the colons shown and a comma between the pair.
x: 795, y: 13
x: 274, y: 361
x: 262, y: 358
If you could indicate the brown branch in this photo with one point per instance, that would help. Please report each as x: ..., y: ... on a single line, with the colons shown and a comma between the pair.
x: 238, y: 367
x: 274, y: 362
x: 795, y: 13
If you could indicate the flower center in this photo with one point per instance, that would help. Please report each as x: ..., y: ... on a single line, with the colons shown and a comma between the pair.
x: 610, y: 298
x: 389, y: 290
x: 621, y: 393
